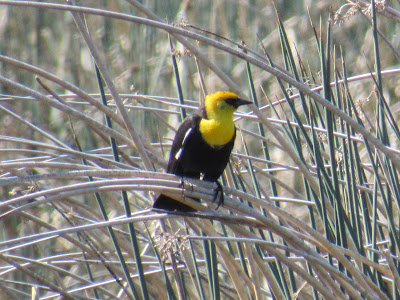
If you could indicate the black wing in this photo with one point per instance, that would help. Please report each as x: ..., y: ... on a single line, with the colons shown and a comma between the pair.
x: 185, y: 131
x: 182, y: 135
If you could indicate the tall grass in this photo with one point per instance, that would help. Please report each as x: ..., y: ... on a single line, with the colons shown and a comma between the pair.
x: 91, y: 96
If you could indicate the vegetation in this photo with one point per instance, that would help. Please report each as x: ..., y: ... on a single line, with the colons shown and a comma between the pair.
x: 91, y: 96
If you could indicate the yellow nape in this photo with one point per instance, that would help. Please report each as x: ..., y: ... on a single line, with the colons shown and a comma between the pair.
x: 219, y: 128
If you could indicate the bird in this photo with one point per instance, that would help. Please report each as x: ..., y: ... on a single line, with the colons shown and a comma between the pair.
x: 202, y: 145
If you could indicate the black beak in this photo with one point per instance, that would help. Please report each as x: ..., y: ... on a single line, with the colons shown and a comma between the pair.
x: 236, y: 102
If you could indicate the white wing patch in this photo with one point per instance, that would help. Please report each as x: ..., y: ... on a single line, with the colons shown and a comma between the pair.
x: 178, y: 154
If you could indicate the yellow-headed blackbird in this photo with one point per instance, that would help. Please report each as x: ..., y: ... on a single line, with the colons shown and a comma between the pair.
x: 203, y: 145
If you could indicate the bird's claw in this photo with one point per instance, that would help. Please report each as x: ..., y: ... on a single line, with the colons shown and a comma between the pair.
x: 220, y: 191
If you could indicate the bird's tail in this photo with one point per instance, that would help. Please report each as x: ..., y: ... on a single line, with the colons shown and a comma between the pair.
x: 167, y: 203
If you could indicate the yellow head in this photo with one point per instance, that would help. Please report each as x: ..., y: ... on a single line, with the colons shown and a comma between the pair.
x: 221, y: 105
x: 219, y: 128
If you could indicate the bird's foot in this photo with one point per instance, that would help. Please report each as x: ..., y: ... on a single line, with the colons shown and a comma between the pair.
x: 182, y: 186
x: 218, y: 190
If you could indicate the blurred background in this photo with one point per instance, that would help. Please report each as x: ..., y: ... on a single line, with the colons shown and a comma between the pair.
x: 333, y: 179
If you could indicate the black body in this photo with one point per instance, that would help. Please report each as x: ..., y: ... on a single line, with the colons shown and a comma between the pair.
x: 192, y: 157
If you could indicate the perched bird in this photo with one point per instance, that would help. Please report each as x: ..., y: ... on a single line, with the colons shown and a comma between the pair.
x: 203, y: 145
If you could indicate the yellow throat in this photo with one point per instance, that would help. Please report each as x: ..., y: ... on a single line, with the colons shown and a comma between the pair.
x: 219, y: 128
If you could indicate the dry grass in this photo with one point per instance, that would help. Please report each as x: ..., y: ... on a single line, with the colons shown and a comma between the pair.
x: 312, y: 192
